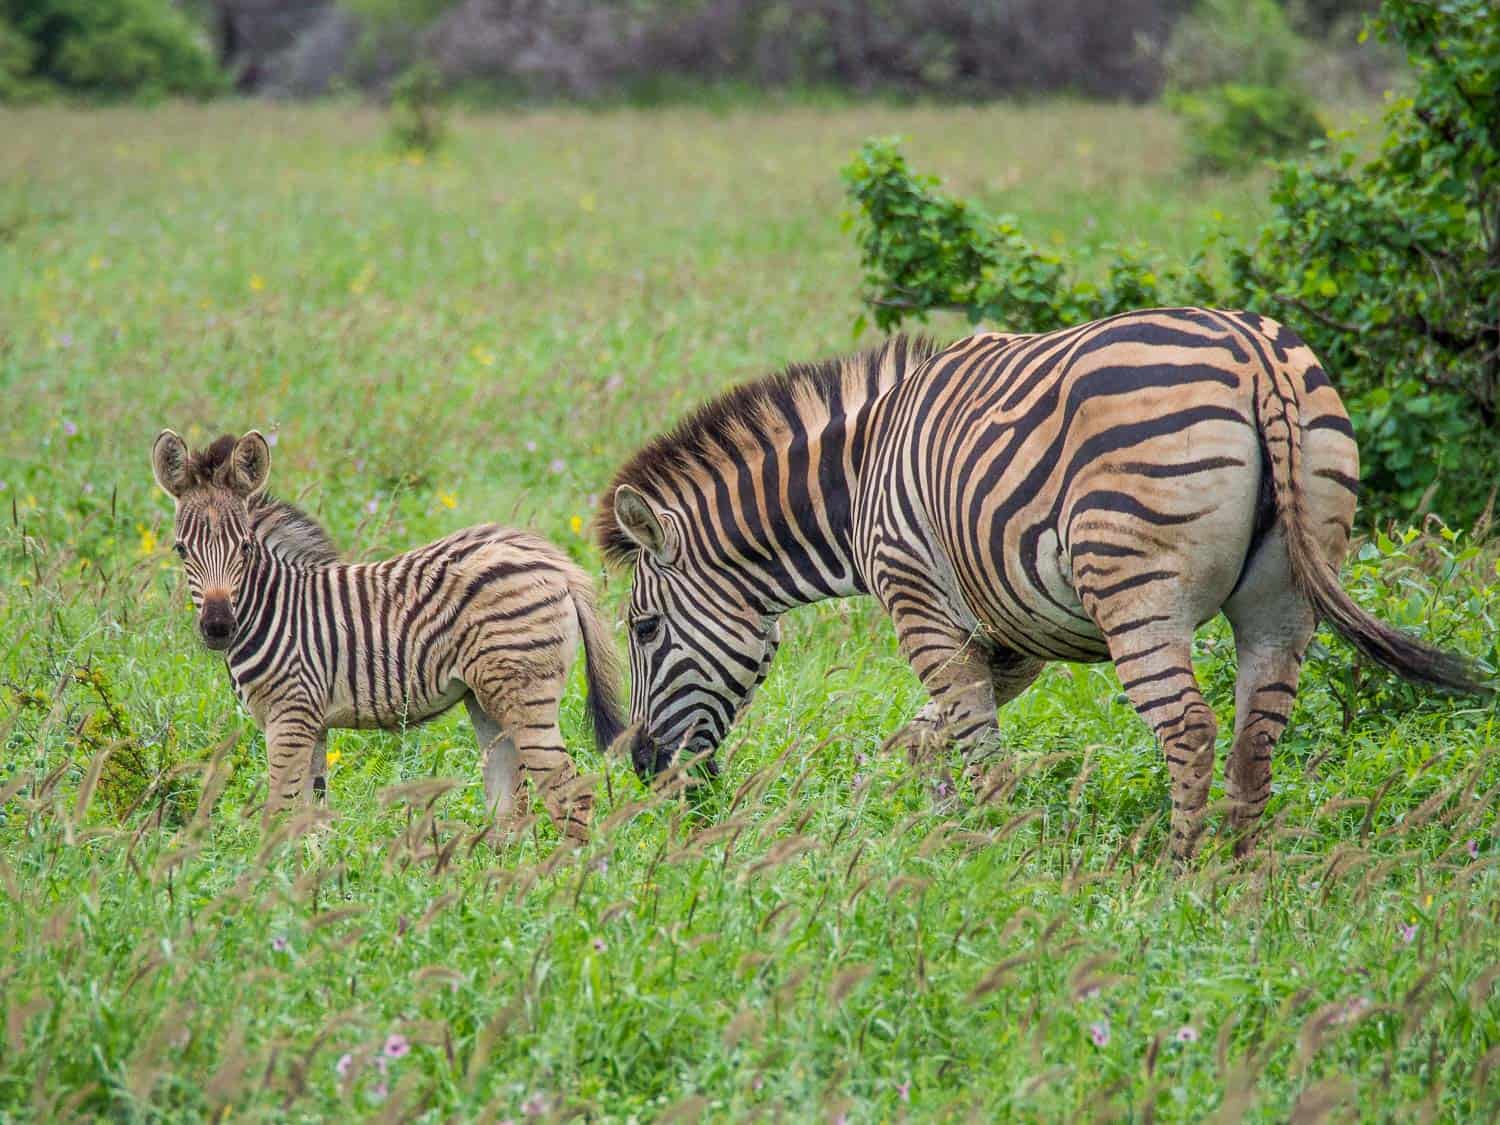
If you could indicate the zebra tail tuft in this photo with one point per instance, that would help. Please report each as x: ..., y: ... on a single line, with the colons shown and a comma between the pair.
x: 1411, y: 659
x: 601, y: 668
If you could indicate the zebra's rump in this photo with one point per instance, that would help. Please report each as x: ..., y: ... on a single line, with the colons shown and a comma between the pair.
x: 1060, y: 473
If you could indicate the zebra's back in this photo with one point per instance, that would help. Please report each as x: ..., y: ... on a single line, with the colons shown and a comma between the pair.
x: 1051, y: 481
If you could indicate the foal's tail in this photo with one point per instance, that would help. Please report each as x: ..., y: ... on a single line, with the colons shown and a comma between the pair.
x: 601, y: 666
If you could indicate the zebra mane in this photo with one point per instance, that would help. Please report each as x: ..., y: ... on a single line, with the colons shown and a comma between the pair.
x: 745, y: 415
x: 291, y: 533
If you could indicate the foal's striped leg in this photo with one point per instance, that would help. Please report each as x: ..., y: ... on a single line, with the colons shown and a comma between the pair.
x: 527, y: 712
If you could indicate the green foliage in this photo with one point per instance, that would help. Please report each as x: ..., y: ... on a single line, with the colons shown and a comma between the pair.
x: 1390, y: 268
x: 103, y: 48
x: 1234, y: 73
x: 1230, y: 128
x: 418, y: 113
x: 1233, y: 42
x: 16, y: 54
x: 925, y: 250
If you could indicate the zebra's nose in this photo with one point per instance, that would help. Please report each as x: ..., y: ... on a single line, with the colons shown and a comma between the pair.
x: 217, y: 626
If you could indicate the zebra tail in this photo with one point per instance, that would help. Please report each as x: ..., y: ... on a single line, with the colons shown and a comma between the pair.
x: 601, y: 667
x: 1279, y: 420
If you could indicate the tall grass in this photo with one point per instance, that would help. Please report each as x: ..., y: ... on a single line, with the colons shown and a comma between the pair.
x: 821, y: 932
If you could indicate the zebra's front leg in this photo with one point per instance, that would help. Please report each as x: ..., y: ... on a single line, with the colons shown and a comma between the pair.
x: 318, y: 772
x: 293, y: 743
x: 955, y: 666
x: 924, y: 734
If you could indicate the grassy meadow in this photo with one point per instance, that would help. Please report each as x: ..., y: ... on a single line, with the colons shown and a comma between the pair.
x: 824, y: 933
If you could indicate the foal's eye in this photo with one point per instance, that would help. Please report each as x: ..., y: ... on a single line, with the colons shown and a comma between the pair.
x: 181, y: 549
x: 646, y: 629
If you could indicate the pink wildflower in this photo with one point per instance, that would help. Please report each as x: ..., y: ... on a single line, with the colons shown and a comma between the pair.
x: 1099, y: 1033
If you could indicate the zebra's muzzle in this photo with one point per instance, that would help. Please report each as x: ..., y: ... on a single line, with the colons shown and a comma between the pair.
x: 216, y: 625
x: 649, y: 756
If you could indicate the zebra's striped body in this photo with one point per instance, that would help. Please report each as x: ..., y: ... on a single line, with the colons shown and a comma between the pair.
x: 489, y: 616
x: 1088, y: 494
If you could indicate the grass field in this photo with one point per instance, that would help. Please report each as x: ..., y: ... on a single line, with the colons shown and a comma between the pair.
x: 819, y: 934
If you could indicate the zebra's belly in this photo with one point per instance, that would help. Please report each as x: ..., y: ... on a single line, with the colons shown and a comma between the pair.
x: 403, y: 710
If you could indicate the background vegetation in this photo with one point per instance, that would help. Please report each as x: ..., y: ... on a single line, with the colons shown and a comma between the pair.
x: 1389, y: 265
x: 482, y: 334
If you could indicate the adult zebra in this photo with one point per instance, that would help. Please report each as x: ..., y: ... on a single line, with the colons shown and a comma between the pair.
x: 489, y: 615
x: 1087, y: 494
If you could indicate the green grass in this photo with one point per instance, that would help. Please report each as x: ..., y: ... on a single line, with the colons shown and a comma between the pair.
x: 485, y: 337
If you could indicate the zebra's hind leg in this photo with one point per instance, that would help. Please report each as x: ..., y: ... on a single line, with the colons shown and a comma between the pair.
x: 1273, y: 624
x: 526, y: 709
x: 501, y: 763
x: 1156, y: 674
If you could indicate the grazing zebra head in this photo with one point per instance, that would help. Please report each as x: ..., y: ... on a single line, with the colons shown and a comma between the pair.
x: 214, y: 490
x: 698, y: 648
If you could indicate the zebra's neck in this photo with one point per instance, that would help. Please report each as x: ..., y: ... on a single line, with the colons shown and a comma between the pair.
x: 797, y: 484
x: 270, y: 613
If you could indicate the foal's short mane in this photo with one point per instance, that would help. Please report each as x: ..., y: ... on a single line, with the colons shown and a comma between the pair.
x: 755, y: 407
x: 284, y: 527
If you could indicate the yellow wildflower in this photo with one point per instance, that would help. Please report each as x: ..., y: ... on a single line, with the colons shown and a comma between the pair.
x: 483, y: 356
x: 148, y: 539
x: 257, y: 283
x: 96, y: 263
x: 576, y: 523
x: 335, y: 757
x: 362, y: 282
x: 586, y: 202
x: 448, y: 500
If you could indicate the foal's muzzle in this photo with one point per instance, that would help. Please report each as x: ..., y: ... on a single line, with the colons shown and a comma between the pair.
x: 216, y: 625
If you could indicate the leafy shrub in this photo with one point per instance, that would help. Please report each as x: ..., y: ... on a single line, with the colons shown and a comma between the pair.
x: 925, y: 250
x: 1233, y: 42
x: 15, y: 64
x: 1231, y: 127
x: 1234, y: 73
x: 108, y: 48
x: 418, y: 113
x: 1390, y: 269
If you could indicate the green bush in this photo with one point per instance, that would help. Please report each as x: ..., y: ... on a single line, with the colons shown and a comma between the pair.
x: 1231, y: 127
x: 103, y: 48
x: 1229, y: 42
x: 1390, y: 268
x: 418, y: 111
x: 1234, y: 74
x: 15, y: 64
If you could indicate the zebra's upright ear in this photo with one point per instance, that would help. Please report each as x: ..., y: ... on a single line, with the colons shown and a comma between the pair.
x: 169, y: 463
x: 641, y: 521
x: 250, y: 465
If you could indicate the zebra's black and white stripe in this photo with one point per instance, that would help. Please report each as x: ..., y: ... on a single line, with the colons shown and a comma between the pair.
x: 1088, y: 494
x: 489, y: 616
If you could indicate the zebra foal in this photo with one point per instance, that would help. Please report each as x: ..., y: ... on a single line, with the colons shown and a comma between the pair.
x: 1089, y: 494
x: 488, y: 616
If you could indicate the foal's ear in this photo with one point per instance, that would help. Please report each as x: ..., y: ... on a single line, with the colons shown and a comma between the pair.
x: 169, y: 463
x: 250, y: 465
x: 645, y: 525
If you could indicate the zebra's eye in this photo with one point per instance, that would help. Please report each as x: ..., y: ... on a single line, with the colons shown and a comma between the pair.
x: 646, y: 629
x: 181, y: 549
